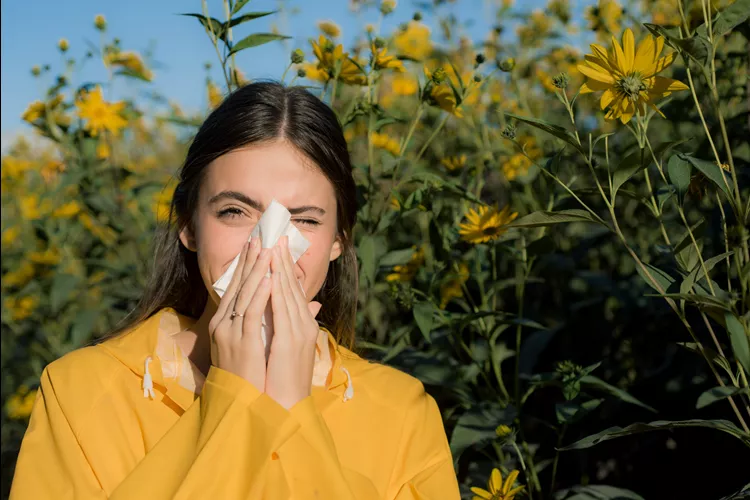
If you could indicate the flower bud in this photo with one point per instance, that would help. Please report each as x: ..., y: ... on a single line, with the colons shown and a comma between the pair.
x: 379, y: 43
x: 297, y: 56
x: 100, y: 23
x: 387, y: 6
x: 63, y: 45
x: 561, y: 81
x: 439, y: 76
x: 417, y: 16
x: 507, y: 65
x: 509, y: 132
x: 480, y: 58
x: 36, y: 70
x: 301, y: 73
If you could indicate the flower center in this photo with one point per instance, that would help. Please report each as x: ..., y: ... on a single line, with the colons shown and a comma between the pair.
x: 631, y: 85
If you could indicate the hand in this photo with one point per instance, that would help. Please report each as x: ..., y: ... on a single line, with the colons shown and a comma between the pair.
x: 236, y: 344
x: 290, y: 364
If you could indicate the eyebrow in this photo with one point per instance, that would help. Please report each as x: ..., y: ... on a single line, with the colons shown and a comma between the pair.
x: 243, y: 198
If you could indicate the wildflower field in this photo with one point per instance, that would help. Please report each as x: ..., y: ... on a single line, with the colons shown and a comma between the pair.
x: 552, y: 236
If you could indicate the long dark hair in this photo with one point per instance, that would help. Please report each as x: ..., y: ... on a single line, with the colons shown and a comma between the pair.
x: 257, y: 113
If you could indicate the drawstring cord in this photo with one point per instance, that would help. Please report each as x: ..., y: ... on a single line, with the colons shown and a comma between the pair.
x: 148, y: 384
x: 349, y: 392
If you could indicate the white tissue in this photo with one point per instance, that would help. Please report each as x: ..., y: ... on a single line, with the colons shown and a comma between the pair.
x: 273, y: 224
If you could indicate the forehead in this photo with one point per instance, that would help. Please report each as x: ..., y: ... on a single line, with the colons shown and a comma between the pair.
x: 268, y: 171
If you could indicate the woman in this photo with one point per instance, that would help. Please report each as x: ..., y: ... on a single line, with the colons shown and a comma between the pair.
x: 132, y: 417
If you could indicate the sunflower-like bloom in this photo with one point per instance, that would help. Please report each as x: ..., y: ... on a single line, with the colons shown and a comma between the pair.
x: 384, y: 61
x: 330, y: 56
x: 488, y: 223
x: 628, y: 76
x: 498, y: 489
x: 100, y: 115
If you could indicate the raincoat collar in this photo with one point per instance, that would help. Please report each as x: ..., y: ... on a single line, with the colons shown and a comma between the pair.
x: 133, y: 347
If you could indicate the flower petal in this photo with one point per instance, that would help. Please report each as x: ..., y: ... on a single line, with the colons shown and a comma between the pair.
x: 644, y: 54
x: 481, y: 493
x: 664, y: 86
x: 596, y: 75
x: 601, y: 53
x: 509, y: 481
x: 628, y: 47
x: 607, y: 97
x: 659, y: 66
x: 594, y: 86
x: 620, y: 62
x: 496, y: 481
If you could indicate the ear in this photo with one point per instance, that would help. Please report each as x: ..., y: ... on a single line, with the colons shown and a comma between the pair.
x: 336, y: 249
x: 188, y: 239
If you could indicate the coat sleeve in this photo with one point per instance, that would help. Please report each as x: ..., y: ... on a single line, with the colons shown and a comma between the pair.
x: 424, y: 465
x: 238, y: 443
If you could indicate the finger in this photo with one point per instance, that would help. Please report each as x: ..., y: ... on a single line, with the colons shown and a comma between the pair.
x: 314, y: 308
x: 281, y: 323
x: 299, y: 300
x: 296, y: 321
x: 252, y: 279
x: 251, y: 326
x: 228, y: 299
x: 252, y: 257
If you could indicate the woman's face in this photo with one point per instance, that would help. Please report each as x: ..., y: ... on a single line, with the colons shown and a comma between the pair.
x: 238, y: 187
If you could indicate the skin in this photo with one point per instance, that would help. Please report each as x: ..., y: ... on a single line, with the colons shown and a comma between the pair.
x: 224, y: 221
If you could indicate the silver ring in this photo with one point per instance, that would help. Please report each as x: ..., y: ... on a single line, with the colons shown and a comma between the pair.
x: 234, y: 315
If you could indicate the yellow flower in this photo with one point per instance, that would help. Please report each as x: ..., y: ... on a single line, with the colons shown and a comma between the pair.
x: 332, y: 60
x: 10, y: 235
x: 104, y: 233
x: 537, y: 28
x: 49, y: 257
x: 131, y: 62
x: 102, y: 150
x: 395, y: 204
x: 14, y: 168
x: 34, y: 112
x: 384, y: 61
x: 66, y: 211
x: 442, y: 97
x: 498, y: 489
x: 215, y: 96
x: 454, y: 162
x: 560, y: 9
x: 604, y: 18
x: 518, y: 164
x: 329, y: 28
x: 453, y: 288
x: 51, y: 169
x: 408, y: 270
x: 503, y: 430
x: 627, y: 76
x: 414, y: 41
x: 32, y: 209
x: 162, y: 201
x: 100, y: 115
x: 20, y: 404
x: 20, y: 276
x: 486, y: 224
x: 22, y: 308
x: 404, y: 85
x: 386, y: 142
x: 63, y: 45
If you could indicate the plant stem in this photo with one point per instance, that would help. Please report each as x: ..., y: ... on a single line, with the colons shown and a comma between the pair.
x: 557, y: 456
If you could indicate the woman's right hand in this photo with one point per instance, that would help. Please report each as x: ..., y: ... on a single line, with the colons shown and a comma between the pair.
x: 236, y: 344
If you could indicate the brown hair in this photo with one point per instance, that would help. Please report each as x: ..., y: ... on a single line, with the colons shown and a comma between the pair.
x: 257, y: 113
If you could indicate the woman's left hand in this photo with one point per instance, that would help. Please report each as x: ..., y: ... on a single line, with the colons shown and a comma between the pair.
x: 295, y: 333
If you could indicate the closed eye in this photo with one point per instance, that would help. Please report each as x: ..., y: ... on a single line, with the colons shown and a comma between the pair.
x: 311, y: 222
x: 230, y: 212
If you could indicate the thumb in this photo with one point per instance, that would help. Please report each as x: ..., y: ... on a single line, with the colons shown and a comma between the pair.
x: 314, y: 308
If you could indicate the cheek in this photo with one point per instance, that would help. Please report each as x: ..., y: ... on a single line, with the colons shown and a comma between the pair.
x: 218, y: 245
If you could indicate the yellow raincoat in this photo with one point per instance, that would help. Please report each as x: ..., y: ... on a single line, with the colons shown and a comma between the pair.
x: 100, y: 430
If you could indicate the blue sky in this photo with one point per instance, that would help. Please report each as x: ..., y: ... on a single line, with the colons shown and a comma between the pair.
x: 30, y: 31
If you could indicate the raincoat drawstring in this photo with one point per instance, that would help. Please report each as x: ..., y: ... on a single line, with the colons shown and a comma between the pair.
x: 148, y: 384
x: 349, y: 392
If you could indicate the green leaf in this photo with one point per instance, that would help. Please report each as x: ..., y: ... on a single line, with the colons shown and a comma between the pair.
x: 238, y: 6
x: 597, y: 383
x: 710, y: 170
x: 686, y: 241
x: 616, y: 432
x: 715, y: 357
x: 366, y: 251
x: 697, y: 273
x: 718, y: 393
x: 596, y: 492
x: 249, y: 17
x: 571, y: 412
x: 731, y: 17
x: 555, y: 130
x: 210, y: 24
x: 699, y: 300
x: 544, y: 218
x: 637, y: 161
x: 740, y: 340
x: 679, y: 174
x: 696, y: 47
x: 662, y: 277
x: 477, y: 426
x: 255, y: 40
x: 396, y: 257
x: 83, y: 326
x: 424, y: 315
x: 62, y: 292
